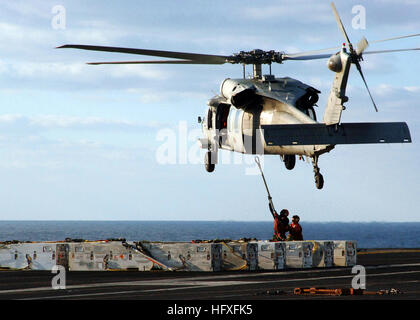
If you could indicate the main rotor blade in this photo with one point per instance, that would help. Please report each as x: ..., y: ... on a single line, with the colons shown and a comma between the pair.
x: 204, y: 58
x: 359, y: 68
x: 332, y: 50
x: 393, y: 50
x: 302, y: 56
x: 152, y: 62
x: 396, y: 38
x: 311, y: 52
x: 340, y: 24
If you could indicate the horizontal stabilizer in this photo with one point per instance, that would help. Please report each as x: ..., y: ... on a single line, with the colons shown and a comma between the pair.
x: 345, y: 133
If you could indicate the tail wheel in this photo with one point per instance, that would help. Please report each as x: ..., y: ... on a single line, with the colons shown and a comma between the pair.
x: 289, y: 161
x: 207, y: 162
x: 319, y: 181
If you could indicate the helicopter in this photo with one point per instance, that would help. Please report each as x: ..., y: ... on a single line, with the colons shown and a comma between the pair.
x: 263, y: 114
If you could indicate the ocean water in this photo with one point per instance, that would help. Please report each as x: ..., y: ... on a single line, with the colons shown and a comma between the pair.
x: 368, y: 235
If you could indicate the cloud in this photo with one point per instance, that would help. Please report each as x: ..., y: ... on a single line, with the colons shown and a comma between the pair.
x: 413, y: 89
x: 40, y: 69
x: 385, y: 90
x: 77, y: 72
x: 396, y: 92
x: 59, y: 154
x: 73, y: 122
x: 18, y: 38
x: 315, y: 12
x: 35, y: 142
x: 39, y: 9
x: 153, y: 96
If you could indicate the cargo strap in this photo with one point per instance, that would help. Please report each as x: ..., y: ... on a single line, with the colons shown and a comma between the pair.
x: 316, y: 246
x: 160, y: 264
x: 244, y: 266
x: 184, y: 263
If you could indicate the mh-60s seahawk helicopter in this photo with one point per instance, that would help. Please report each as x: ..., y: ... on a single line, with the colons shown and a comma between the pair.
x: 268, y: 115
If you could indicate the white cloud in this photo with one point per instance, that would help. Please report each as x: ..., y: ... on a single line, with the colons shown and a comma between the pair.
x: 10, y: 118
x: 64, y: 71
x: 413, y: 89
x: 43, y: 69
x: 141, y: 71
x: 309, y: 12
x: 28, y: 8
x: 21, y: 37
x: 384, y: 89
x: 153, y: 96
x: 73, y: 122
x: 17, y: 35
x: 68, y: 121
x: 400, y: 2
x: 396, y: 92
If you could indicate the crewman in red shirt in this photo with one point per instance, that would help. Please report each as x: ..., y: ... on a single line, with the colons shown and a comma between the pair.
x: 295, y: 230
x: 281, y: 223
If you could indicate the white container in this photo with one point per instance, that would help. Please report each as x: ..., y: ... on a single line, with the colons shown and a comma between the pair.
x: 128, y: 258
x: 323, y: 253
x: 252, y: 256
x: 31, y: 256
x: 299, y: 254
x: 345, y: 253
x: 101, y: 256
x: 86, y: 256
x: 271, y: 255
x: 239, y: 256
x: 186, y: 256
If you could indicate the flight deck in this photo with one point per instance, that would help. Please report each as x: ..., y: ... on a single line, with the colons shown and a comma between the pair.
x: 386, y: 269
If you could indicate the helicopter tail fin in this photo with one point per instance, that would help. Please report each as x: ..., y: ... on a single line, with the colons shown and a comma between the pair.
x: 345, y: 133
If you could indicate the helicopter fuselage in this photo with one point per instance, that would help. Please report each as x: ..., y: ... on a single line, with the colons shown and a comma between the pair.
x: 234, y: 118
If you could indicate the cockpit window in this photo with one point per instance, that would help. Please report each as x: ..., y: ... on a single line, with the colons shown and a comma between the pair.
x: 222, y: 115
x: 210, y: 119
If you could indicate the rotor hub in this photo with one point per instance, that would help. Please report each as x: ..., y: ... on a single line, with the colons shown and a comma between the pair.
x: 256, y: 56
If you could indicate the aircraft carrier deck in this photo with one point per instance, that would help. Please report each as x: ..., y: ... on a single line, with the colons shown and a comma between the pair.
x: 385, y: 269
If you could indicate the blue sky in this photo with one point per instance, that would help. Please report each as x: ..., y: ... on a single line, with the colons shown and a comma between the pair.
x: 80, y: 142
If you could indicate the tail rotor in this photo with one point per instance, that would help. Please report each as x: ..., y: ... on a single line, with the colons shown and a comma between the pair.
x: 355, y: 55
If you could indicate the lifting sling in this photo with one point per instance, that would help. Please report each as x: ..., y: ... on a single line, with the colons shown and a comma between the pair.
x: 257, y: 160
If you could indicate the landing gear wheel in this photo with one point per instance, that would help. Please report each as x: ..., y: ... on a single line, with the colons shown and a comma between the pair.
x: 207, y: 162
x: 289, y: 161
x: 319, y: 181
